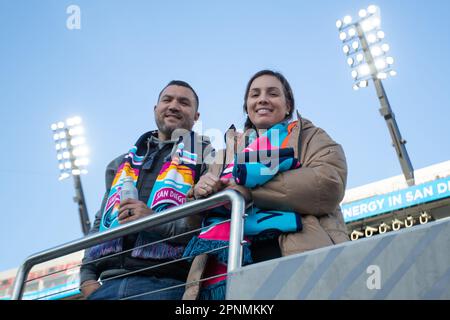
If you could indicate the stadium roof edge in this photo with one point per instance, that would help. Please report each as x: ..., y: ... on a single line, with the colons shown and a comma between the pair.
x: 430, y: 173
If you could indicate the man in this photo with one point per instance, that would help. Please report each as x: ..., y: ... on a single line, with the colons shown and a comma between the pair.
x: 173, y: 152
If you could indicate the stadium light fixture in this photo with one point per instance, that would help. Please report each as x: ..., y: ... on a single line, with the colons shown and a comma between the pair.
x: 369, y: 231
x: 71, y: 153
x: 366, y: 52
x: 409, y: 222
x: 424, y: 217
x: 383, y: 228
x: 356, y: 234
x: 397, y: 224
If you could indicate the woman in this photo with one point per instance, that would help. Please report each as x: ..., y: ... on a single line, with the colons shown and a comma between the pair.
x: 312, y: 188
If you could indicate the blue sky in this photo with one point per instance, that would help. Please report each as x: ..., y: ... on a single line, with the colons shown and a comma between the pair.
x: 111, y: 70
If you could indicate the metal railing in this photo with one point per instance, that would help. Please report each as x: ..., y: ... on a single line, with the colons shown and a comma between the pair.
x: 169, y: 215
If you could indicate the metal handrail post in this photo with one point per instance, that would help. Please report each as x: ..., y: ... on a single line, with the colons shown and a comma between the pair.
x: 236, y: 232
x: 187, y: 209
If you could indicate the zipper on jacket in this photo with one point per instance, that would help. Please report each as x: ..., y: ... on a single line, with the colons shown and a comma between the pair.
x: 139, y: 181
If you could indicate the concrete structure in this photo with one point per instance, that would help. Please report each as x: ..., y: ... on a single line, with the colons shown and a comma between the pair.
x: 411, y: 263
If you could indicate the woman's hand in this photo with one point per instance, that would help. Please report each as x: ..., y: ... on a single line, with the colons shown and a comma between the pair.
x: 209, y: 184
x: 245, y: 192
x: 131, y: 209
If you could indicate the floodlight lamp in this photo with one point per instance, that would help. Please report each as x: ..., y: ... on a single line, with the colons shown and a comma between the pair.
x: 339, y: 24
x: 68, y: 165
x: 376, y: 22
x: 76, y: 131
x: 364, y: 70
x: 351, y: 32
x: 74, y: 121
x: 350, y: 61
x: 70, y: 122
x: 367, y: 25
x: 355, y: 45
x: 342, y: 36
x: 362, y: 13
x: 63, y: 144
x: 372, y: 9
x: 347, y: 19
x: 61, y: 166
x: 355, y: 87
x: 392, y: 73
x: 359, y: 57
x: 380, y: 64
x: 77, y: 141
x: 380, y: 34
x: 354, y: 74
x: 81, y: 162
x: 56, y: 136
x: 390, y: 60
x: 80, y: 151
x: 54, y: 126
x: 363, y: 84
x: 346, y: 49
x: 64, y: 175
x: 60, y: 125
x: 385, y: 47
x: 382, y: 75
x: 376, y: 51
x: 371, y: 38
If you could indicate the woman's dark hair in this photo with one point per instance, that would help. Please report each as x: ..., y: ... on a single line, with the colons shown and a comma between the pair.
x: 286, y: 88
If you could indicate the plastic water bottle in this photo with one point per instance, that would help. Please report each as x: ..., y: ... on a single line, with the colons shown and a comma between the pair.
x: 128, y: 191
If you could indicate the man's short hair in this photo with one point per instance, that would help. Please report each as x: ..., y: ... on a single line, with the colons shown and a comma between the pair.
x: 181, y: 84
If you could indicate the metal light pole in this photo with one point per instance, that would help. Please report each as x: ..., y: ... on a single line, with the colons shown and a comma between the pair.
x: 362, y: 40
x: 71, y: 155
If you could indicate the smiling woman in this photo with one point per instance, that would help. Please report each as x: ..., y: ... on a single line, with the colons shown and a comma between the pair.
x: 268, y: 100
x: 295, y: 202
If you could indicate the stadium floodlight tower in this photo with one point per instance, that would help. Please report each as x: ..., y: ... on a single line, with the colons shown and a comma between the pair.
x: 366, y: 52
x: 71, y: 154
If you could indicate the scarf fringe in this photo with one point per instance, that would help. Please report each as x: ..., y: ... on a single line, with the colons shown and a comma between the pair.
x: 160, y: 250
x: 199, y: 246
x: 105, y: 248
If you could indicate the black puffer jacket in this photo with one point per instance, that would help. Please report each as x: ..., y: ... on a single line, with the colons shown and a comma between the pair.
x: 157, y: 154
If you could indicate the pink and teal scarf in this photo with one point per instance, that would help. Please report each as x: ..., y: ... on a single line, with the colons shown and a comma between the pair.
x: 263, y: 158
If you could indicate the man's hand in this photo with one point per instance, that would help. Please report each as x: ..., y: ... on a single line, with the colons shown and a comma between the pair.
x: 207, y: 185
x: 88, y: 287
x: 131, y: 210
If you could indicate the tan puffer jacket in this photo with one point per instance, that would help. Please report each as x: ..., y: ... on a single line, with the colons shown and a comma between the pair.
x: 314, y: 190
